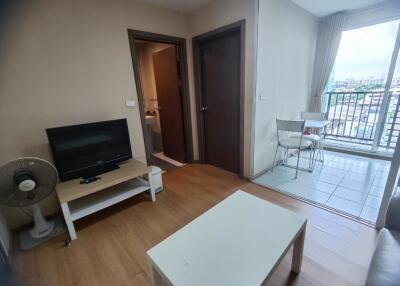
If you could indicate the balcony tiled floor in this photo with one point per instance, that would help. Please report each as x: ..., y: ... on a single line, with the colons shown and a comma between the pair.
x: 348, y: 183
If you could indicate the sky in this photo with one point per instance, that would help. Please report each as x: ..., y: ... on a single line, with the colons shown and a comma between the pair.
x: 366, y: 52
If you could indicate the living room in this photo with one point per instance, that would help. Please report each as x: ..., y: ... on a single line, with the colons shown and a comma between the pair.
x: 71, y: 76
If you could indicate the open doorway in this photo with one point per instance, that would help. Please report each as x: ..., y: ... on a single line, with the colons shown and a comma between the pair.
x: 160, y: 69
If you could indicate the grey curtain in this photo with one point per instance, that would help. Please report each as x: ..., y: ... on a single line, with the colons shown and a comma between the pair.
x: 329, y: 35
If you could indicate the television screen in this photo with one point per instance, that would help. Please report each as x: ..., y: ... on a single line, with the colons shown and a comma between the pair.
x: 87, y: 149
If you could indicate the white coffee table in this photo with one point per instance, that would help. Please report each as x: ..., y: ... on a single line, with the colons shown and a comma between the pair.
x: 239, y: 241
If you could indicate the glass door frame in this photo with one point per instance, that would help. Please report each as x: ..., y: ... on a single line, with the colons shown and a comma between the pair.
x: 394, y: 172
x: 380, y: 125
x: 391, y: 186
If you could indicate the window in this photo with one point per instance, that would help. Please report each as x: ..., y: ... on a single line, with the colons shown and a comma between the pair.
x: 363, y: 114
x: 363, y: 59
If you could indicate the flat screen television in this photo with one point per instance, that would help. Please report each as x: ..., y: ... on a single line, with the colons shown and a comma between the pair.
x: 87, y: 150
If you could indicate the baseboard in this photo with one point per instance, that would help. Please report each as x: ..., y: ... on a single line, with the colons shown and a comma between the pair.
x: 262, y: 172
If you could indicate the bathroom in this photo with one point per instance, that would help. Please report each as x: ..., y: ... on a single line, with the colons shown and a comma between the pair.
x: 161, y: 86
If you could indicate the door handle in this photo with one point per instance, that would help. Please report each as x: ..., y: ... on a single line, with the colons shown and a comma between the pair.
x: 204, y: 108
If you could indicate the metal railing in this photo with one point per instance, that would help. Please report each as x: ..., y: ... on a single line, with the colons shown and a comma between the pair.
x: 392, y: 124
x: 354, y: 117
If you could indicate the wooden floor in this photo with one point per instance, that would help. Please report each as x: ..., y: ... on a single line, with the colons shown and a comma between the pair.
x: 111, y: 245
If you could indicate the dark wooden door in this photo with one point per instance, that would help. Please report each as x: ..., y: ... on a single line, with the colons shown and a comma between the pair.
x: 167, y: 79
x: 219, y: 64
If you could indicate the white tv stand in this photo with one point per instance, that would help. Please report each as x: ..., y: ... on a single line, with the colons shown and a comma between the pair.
x: 79, y: 200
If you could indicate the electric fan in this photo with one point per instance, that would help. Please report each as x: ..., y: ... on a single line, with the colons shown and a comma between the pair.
x: 25, y: 182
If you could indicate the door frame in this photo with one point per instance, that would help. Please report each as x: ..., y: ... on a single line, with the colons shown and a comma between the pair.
x: 390, y: 187
x: 182, y: 55
x: 239, y: 26
x: 380, y: 124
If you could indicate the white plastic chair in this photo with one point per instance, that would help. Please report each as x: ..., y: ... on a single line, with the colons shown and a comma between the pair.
x: 317, y: 139
x: 287, y: 128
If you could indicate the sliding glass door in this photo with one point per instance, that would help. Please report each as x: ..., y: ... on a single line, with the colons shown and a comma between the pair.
x: 392, y: 185
x: 362, y: 93
x: 391, y: 124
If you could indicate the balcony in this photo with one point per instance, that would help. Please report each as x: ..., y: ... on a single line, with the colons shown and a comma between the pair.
x: 364, y: 121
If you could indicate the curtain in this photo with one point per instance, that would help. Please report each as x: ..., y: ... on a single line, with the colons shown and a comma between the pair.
x: 329, y: 35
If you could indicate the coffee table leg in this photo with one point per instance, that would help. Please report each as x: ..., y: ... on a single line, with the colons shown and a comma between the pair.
x: 298, y: 247
x: 155, y: 277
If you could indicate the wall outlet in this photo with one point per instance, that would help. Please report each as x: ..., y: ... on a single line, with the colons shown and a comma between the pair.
x: 130, y: 103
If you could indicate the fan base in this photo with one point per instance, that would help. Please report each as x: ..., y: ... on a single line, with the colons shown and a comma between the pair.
x: 44, y: 231
x: 26, y: 241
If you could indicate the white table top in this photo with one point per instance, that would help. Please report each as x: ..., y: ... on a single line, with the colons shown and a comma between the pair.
x: 316, y: 123
x: 237, y: 242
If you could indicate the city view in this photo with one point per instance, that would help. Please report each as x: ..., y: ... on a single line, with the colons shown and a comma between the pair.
x: 371, y: 84
x: 353, y: 108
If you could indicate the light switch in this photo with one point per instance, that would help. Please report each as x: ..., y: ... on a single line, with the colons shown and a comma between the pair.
x: 263, y: 96
x: 130, y: 103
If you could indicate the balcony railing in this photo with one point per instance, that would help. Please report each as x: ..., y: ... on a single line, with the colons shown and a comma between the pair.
x: 354, y: 117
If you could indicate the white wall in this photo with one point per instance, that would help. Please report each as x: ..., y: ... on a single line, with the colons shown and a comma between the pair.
x: 68, y: 62
x: 287, y: 37
x: 220, y: 13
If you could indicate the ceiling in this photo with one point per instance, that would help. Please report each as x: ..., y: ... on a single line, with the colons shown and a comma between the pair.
x: 325, y: 7
x: 177, y: 5
x: 319, y: 8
